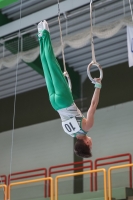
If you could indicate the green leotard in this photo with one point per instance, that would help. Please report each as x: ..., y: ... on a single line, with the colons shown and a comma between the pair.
x: 59, y: 93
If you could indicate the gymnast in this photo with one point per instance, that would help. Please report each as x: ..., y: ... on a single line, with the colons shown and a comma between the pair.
x: 73, y: 121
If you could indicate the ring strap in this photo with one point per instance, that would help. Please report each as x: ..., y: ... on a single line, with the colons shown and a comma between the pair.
x: 93, y: 62
x: 68, y: 79
x: 92, y: 41
x: 62, y: 48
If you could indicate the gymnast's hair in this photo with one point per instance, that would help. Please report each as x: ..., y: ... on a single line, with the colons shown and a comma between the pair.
x: 81, y: 149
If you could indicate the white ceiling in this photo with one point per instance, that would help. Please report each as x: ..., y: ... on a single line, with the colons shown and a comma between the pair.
x: 108, y: 51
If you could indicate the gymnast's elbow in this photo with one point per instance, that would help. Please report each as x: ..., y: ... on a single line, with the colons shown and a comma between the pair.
x: 88, y: 124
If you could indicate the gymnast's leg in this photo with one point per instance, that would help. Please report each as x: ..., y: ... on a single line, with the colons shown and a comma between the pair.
x: 59, y: 93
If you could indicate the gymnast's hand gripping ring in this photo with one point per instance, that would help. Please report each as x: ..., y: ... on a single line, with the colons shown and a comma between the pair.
x: 89, y: 74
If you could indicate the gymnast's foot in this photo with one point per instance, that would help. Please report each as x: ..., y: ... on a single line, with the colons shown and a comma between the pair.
x: 43, y: 25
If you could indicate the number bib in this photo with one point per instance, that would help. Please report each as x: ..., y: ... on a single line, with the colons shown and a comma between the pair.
x: 71, y: 126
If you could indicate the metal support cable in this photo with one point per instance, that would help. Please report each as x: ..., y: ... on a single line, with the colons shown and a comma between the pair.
x: 16, y: 82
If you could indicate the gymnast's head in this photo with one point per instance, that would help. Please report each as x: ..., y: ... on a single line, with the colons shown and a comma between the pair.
x: 83, y: 146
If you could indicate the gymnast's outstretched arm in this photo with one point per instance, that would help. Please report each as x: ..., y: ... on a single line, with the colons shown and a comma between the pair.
x: 89, y: 121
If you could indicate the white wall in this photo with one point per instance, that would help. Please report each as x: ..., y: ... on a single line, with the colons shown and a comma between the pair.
x: 37, y: 146
x: 40, y: 145
x: 113, y: 130
x: 45, y: 144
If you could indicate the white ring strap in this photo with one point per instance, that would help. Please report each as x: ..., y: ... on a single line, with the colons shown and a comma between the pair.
x: 93, y: 53
x: 92, y: 41
x: 62, y: 47
x: 68, y: 79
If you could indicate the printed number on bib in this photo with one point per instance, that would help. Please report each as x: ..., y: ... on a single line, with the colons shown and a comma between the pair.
x: 71, y: 126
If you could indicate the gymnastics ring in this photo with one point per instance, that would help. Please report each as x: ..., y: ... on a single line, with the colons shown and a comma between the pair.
x: 89, y: 74
x: 68, y: 79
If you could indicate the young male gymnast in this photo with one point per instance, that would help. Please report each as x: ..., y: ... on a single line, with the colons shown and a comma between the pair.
x: 73, y: 121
